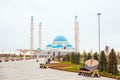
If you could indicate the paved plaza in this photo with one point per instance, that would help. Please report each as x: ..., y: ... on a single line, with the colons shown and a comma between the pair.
x: 29, y: 70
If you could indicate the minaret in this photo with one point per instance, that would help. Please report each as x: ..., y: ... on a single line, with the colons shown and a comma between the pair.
x: 31, y: 34
x: 76, y: 35
x: 39, y: 36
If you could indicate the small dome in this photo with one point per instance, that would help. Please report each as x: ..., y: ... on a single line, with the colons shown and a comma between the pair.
x: 54, y: 47
x: 60, y: 38
x: 59, y: 46
x: 73, y: 49
x: 49, y: 45
x: 69, y: 45
x: 38, y: 49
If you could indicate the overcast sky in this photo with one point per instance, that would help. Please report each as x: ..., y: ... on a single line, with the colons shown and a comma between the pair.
x: 57, y: 17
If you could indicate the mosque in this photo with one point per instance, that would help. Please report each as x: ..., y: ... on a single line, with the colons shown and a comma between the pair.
x: 60, y: 45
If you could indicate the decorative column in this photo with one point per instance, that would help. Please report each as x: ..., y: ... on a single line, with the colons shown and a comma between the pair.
x: 31, y: 36
x: 76, y: 35
x: 39, y: 36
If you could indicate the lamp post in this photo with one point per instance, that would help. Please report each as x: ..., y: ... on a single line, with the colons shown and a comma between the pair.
x: 99, y: 31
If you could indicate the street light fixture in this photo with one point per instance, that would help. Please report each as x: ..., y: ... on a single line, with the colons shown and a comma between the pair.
x: 99, y: 31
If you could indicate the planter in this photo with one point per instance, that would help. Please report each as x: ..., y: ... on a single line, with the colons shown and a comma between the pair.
x: 6, y: 60
x: 12, y: 60
x: 17, y: 59
x: 0, y: 60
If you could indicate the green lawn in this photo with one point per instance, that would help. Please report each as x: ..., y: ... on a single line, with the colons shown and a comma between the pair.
x: 67, y: 62
x: 118, y: 74
x: 73, y: 68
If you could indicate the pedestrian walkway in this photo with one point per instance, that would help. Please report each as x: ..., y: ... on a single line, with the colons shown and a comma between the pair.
x: 29, y: 70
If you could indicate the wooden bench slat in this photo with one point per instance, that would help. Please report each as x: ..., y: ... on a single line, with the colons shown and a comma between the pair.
x: 85, y: 71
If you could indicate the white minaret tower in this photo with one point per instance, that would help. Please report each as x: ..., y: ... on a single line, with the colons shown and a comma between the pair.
x: 39, y: 36
x: 31, y: 34
x: 76, y: 35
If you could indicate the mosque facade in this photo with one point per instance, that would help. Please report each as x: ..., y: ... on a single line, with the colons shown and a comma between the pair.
x: 59, y: 46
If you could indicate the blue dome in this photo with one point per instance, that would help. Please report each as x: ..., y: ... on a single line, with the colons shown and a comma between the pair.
x: 69, y: 45
x: 49, y: 45
x: 73, y: 48
x: 38, y: 49
x: 59, y: 46
x: 60, y: 38
x: 54, y: 46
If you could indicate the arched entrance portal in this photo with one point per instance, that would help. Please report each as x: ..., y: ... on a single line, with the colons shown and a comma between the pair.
x: 53, y: 54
